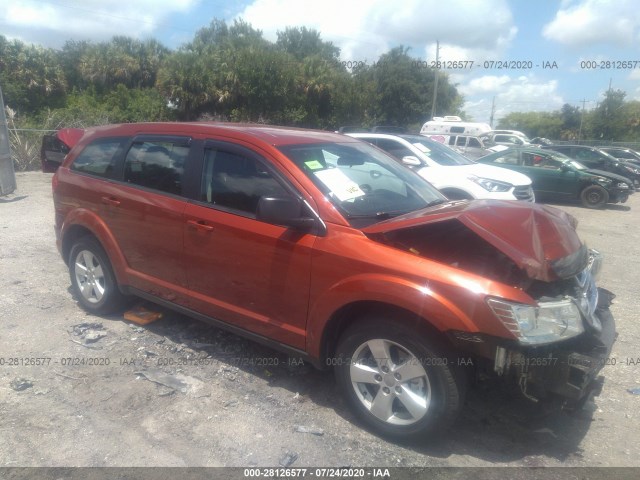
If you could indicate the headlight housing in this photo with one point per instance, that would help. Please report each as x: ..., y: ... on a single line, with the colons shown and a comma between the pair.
x: 491, y: 185
x: 622, y: 185
x: 535, y: 325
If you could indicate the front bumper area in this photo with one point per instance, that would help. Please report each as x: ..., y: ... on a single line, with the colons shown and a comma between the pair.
x: 569, y: 370
x: 617, y: 195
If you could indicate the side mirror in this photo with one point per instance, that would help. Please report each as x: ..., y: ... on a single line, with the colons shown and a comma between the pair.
x: 411, y: 161
x: 284, y: 210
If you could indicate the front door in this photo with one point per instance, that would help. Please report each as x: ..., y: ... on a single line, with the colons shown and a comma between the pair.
x: 548, y: 176
x: 243, y: 271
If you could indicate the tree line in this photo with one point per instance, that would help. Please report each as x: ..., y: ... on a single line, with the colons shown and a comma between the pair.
x: 612, y: 119
x: 226, y: 72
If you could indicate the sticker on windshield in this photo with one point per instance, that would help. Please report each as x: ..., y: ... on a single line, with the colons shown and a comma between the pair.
x: 313, y: 165
x: 421, y: 147
x: 339, y: 184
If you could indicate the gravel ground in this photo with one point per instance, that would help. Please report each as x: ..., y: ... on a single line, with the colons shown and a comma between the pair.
x: 100, y: 400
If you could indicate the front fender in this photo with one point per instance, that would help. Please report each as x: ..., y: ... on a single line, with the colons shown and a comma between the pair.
x: 422, y: 300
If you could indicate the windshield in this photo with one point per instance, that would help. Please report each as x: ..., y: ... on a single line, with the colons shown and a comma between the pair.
x: 366, y: 185
x: 439, y: 153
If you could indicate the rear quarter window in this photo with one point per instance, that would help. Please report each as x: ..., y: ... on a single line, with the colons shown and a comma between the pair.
x: 99, y: 157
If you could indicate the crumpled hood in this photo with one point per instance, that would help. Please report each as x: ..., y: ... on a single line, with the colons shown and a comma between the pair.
x: 539, y: 239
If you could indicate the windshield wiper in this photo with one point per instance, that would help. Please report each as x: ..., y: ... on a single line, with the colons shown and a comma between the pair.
x: 378, y: 215
x: 435, y: 202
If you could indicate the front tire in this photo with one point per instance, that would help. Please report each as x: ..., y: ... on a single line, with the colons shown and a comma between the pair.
x: 594, y: 196
x: 92, y: 278
x: 396, y: 381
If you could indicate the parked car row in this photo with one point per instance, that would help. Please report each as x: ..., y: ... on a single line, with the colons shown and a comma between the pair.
x: 596, y: 158
x: 558, y: 177
x: 328, y: 248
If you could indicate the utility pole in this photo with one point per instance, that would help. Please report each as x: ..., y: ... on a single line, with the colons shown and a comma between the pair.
x: 584, y: 100
x: 493, y: 111
x: 435, y: 83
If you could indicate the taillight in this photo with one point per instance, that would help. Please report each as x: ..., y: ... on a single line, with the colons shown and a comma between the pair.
x: 54, y: 182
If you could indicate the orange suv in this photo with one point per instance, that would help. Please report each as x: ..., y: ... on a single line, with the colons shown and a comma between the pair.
x: 323, y: 246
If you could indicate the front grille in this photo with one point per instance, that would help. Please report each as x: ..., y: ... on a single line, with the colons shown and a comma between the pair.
x: 524, y: 193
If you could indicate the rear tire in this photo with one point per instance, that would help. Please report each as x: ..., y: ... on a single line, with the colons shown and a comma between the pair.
x: 396, y: 381
x: 94, y: 284
x: 594, y: 196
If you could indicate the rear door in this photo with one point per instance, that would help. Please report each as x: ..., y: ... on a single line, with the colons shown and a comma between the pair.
x: 144, y: 212
x: 246, y: 272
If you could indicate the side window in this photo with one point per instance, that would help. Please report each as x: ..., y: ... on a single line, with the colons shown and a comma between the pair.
x: 541, y: 161
x: 507, y: 139
x: 474, y: 142
x: 393, y: 148
x: 236, y: 182
x: 461, y: 142
x: 157, y: 165
x: 98, y: 158
x: 510, y: 158
x: 589, y: 158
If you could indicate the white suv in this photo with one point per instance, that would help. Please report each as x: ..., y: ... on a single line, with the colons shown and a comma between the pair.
x: 454, y: 175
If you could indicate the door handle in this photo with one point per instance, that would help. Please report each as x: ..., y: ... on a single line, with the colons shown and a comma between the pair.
x: 111, y: 201
x: 200, y: 225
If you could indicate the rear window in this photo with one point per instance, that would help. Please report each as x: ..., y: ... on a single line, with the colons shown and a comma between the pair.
x: 156, y: 164
x: 99, y: 157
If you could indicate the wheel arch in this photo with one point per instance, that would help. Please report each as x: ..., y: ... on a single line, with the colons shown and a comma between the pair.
x: 84, y: 223
x: 353, y: 313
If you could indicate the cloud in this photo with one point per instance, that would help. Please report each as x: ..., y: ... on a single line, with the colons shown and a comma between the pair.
x: 52, y: 24
x: 512, y: 94
x: 364, y: 29
x: 591, y: 22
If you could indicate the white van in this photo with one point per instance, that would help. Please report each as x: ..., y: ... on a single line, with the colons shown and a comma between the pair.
x: 452, y: 125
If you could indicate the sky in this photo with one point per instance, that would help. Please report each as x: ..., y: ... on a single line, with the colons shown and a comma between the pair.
x: 503, y: 55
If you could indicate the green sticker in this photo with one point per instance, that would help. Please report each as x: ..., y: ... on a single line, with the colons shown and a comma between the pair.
x: 313, y: 164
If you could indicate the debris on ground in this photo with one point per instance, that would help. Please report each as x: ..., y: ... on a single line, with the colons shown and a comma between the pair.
x: 161, y: 378
x: 634, y: 391
x: 546, y: 430
x: 288, y: 459
x: 182, y: 383
x: 142, y: 315
x: 81, y: 329
x: 312, y: 430
x: 20, y: 384
x: 88, y: 333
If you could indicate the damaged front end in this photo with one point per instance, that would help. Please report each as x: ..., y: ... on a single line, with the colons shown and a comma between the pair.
x: 563, y: 337
x: 563, y: 342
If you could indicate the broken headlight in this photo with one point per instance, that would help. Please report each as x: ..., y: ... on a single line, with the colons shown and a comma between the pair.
x: 545, y: 323
x: 491, y: 185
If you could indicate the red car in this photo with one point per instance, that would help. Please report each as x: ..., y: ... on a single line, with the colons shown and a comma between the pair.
x: 323, y: 246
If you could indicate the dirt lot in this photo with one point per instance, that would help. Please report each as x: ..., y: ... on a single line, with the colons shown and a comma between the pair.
x: 229, y: 410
